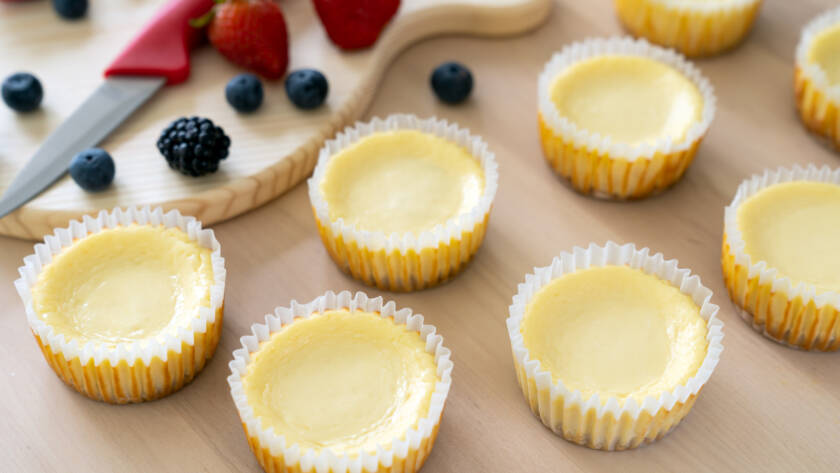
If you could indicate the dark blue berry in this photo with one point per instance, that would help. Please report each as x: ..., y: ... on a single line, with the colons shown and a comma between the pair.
x: 307, y: 88
x: 92, y: 169
x: 244, y: 92
x: 452, y: 82
x: 70, y: 9
x: 22, y: 92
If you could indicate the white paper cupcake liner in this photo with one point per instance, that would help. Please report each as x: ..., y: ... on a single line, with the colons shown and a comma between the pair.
x: 403, y: 242
x: 765, y: 273
x: 592, y: 434
x: 159, y: 346
x: 707, y: 7
x: 324, y: 460
x: 620, y: 46
x: 813, y: 71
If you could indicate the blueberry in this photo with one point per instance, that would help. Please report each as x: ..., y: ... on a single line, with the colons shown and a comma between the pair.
x: 92, y: 169
x: 452, y: 82
x: 70, y: 9
x: 307, y: 88
x: 22, y: 92
x: 244, y: 92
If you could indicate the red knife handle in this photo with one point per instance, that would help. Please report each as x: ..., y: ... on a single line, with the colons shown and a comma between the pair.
x: 163, y: 47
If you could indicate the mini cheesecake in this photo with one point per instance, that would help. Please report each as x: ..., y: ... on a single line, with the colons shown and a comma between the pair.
x: 817, y: 76
x: 124, y: 285
x: 620, y: 118
x: 616, y: 332
x: 780, y: 255
x: 349, y: 381
x: 634, y: 100
x: 612, y: 345
x: 403, y: 203
x: 126, y: 307
x: 401, y: 181
x: 692, y: 27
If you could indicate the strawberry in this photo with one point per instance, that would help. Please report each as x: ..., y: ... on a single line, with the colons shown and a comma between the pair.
x: 355, y: 24
x: 252, y: 34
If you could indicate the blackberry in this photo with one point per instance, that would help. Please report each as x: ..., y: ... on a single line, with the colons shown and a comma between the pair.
x: 193, y: 146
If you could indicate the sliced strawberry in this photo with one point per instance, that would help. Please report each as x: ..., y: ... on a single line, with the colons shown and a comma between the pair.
x: 252, y: 34
x: 355, y: 24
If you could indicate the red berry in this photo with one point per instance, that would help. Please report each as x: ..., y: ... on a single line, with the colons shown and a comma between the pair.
x: 252, y: 34
x: 355, y: 24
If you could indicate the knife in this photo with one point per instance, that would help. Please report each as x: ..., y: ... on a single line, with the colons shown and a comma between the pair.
x: 158, y: 55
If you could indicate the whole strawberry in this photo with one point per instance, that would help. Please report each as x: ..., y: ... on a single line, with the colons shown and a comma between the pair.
x: 252, y: 34
x: 355, y: 24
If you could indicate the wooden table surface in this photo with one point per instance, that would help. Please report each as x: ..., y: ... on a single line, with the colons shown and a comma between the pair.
x: 766, y: 408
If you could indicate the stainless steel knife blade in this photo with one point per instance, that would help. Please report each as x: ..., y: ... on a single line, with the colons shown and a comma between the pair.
x: 89, y: 124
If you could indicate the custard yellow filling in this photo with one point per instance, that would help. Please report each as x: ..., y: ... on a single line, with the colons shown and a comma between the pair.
x: 341, y: 380
x: 402, y: 182
x: 631, y: 100
x: 615, y: 331
x: 795, y: 228
x: 825, y: 52
x: 124, y: 284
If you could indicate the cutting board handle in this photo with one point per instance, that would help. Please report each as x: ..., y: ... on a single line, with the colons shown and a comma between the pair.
x: 163, y: 47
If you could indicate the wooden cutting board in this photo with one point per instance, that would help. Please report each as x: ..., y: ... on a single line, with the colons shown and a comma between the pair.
x: 272, y: 150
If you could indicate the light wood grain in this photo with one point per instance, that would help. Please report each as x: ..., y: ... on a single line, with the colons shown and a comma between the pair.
x: 767, y: 408
x: 272, y: 150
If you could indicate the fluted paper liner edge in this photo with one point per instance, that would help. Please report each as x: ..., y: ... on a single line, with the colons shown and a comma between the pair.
x: 707, y: 7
